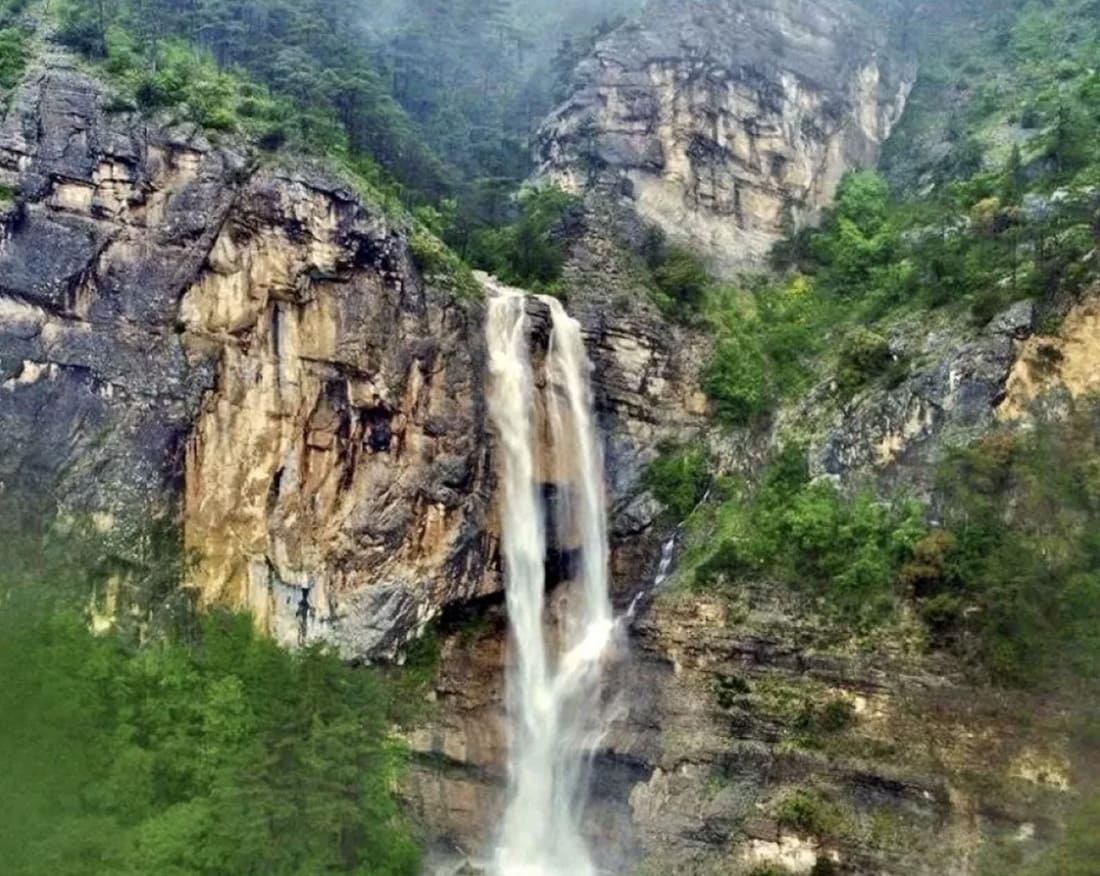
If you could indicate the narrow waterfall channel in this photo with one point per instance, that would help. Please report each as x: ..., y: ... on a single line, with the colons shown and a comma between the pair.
x: 548, y: 436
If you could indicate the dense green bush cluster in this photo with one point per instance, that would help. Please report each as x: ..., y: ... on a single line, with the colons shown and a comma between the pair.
x: 809, y: 813
x: 1007, y: 578
x: 865, y: 355
x: 848, y: 550
x: 678, y: 479
x: 530, y: 252
x: 767, y: 338
x: 13, y: 56
x: 680, y: 279
x: 1011, y: 578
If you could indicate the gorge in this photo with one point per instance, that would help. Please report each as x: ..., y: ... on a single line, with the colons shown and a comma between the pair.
x: 342, y: 441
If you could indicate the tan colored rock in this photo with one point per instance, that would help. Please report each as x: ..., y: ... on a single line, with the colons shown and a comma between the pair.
x: 336, y: 477
x: 720, y: 121
x: 1069, y: 360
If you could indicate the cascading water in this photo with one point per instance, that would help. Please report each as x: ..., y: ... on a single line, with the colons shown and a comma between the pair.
x: 555, y: 715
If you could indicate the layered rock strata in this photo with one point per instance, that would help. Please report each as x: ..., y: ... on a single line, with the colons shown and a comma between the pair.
x: 724, y: 123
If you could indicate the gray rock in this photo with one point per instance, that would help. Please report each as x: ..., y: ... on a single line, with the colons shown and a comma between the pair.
x: 721, y: 120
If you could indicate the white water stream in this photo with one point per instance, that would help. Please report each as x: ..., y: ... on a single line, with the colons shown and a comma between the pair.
x: 554, y: 697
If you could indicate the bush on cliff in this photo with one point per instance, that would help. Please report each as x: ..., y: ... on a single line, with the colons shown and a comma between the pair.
x: 678, y: 479
x: 530, y: 252
x: 13, y: 56
x: 849, y: 550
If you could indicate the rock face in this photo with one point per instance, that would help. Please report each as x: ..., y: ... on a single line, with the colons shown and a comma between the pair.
x: 182, y: 332
x: 174, y: 321
x: 752, y: 733
x: 722, y: 120
x: 957, y: 379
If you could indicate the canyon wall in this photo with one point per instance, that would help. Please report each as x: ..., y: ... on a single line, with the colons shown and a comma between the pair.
x: 185, y: 332
x: 724, y: 123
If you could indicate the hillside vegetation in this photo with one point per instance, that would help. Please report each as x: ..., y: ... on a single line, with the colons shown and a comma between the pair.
x: 184, y: 744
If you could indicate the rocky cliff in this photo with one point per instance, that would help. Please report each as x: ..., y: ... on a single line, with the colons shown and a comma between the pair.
x: 722, y: 122
x: 755, y: 728
x: 184, y: 330
x: 190, y: 334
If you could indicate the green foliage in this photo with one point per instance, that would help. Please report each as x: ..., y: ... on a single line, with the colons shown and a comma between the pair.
x: 1078, y: 851
x: 1007, y: 580
x: 833, y: 716
x: 766, y: 340
x: 680, y: 279
x: 857, y: 241
x: 1011, y: 581
x: 864, y: 356
x: 437, y: 261
x: 737, y: 379
x: 531, y: 251
x: 13, y: 56
x: 810, y: 813
x: 284, y: 72
x: 849, y: 550
x: 678, y: 479
x: 192, y: 747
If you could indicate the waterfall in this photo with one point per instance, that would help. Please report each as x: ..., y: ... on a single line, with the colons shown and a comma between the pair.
x: 554, y: 701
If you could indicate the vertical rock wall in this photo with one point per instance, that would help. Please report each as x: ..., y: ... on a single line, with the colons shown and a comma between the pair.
x: 722, y: 121
x: 175, y: 322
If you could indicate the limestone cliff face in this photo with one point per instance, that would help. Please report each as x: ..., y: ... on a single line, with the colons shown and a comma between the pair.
x: 174, y: 320
x: 336, y: 475
x: 722, y: 121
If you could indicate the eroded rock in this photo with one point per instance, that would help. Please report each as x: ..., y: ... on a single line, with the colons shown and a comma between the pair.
x: 723, y: 121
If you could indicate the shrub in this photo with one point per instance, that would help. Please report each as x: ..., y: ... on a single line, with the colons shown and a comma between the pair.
x: 928, y: 572
x: 678, y: 480
x: 864, y: 356
x: 13, y: 56
x: 1014, y: 587
x: 737, y: 380
x: 849, y: 550
x: 682, y: 282
x: 836, y: 716
x: 1030, y: 118
x: 809, y: 813
x: 531, y: 251
x: 727, y: 563
x: 435, y: 260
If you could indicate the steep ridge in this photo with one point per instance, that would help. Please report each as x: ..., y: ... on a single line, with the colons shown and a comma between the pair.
x: 723, y: 122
